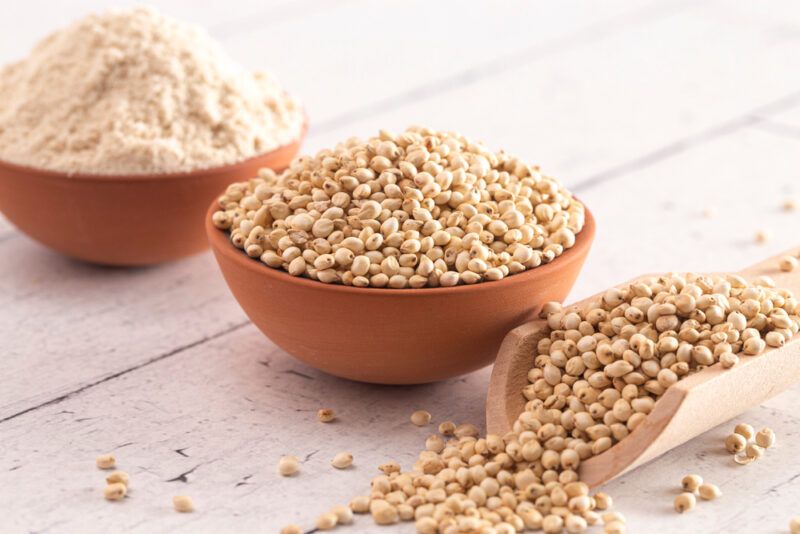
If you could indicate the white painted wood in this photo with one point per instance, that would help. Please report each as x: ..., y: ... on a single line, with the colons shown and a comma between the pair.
x: 344, y: 61
x: 30, y: 22
x: 103, y: 359
x: 66, y: 324
x: 592, y: 108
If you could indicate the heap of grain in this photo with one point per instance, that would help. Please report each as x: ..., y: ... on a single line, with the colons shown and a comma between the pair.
x: 418, y: 209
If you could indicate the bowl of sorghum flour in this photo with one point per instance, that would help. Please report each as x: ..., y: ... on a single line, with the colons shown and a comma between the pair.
x: 116, y: 132
x: 404, y: 258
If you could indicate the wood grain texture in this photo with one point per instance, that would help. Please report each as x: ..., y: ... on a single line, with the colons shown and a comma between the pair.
x: 665, y: 101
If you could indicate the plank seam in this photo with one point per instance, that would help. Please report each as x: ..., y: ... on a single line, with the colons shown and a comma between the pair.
x: 108, y: 378
x: 502, y: 64
x: 778, y: 127
x: 689, y: 142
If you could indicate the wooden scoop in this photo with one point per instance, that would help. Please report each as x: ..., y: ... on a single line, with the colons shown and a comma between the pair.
x: 690, y: 407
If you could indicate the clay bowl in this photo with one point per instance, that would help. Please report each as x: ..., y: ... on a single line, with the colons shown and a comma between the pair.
x: 122, y: 220
x: 392, y: 336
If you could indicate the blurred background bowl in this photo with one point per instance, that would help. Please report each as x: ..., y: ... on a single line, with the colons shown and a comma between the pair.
x: 392, y: 336
x: 118, y: 219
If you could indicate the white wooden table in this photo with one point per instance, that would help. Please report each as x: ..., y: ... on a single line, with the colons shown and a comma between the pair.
x: 650, y: 111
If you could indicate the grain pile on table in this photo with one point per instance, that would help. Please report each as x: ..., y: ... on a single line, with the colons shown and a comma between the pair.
x: 134, y: 92
x: 418, y: 209
x: 596, y: 374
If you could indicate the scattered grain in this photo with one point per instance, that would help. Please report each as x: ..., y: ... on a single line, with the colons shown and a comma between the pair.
x: 684, y: 502
x: 106, y: 461
x: 115, y: 491
x: 360, y: 504
x: 344, y: 514
x: 326, y: 521
x: 754, y: 451
x: 788, y: 263
x: 708, y: 492
x: 615, y: 527
x: 728, y: 359
x: 603, y: 501
x: 342, y: 460
x: 466, y: 430
x: 765, y: 438
x: 691, y: 483
x: 383, y: 513
x: 389, y: 467
x: 118, y: 477
x: 745, y: 430
x: 447, y: 428
x: 735, y: 443
x: 183, y: 504
x: 610, y: 517
x: 421, y: 418
x: 326, y: 415
x: 288, y: 465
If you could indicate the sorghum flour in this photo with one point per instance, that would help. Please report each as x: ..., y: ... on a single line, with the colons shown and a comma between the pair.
x: 135, y: 92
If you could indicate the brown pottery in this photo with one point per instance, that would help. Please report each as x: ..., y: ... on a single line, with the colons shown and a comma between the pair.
x: 122, y: 220
x: 392, y: 336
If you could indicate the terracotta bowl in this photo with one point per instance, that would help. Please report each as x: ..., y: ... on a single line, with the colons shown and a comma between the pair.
x: 122, y: 220
x: 392, y: 336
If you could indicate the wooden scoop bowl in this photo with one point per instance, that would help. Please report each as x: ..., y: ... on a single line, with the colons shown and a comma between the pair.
x: 687, y: 409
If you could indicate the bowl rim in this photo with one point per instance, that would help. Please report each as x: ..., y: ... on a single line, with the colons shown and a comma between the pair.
x: 206, y: 171
x: 220, y: 244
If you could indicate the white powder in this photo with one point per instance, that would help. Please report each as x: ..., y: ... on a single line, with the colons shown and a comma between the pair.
x: 134, y: 92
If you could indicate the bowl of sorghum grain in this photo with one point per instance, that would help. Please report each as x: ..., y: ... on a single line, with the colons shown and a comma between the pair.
x: 117, y: 131
x: 401, y: 259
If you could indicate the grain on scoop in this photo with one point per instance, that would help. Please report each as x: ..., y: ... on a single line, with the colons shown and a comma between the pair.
x: 582, y: 400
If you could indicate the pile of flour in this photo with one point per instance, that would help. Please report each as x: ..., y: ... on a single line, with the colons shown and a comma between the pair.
x: 135, y: 92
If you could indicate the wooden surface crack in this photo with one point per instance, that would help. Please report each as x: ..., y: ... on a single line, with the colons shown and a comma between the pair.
x: 126, y: 371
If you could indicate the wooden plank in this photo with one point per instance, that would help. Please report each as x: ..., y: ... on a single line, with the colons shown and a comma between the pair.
x: 239, y: 404
x: 66, y: 324
x: 255, y: 409
x: 127, y: 352
x: 402, y: 48
x: 653, y: 221
x: 786, y: 124
x: 588, y: 110
x: 17, y: 39
x: 237, y: 407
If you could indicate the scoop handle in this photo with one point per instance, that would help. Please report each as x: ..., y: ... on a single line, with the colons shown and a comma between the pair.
x: 705, y: 399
